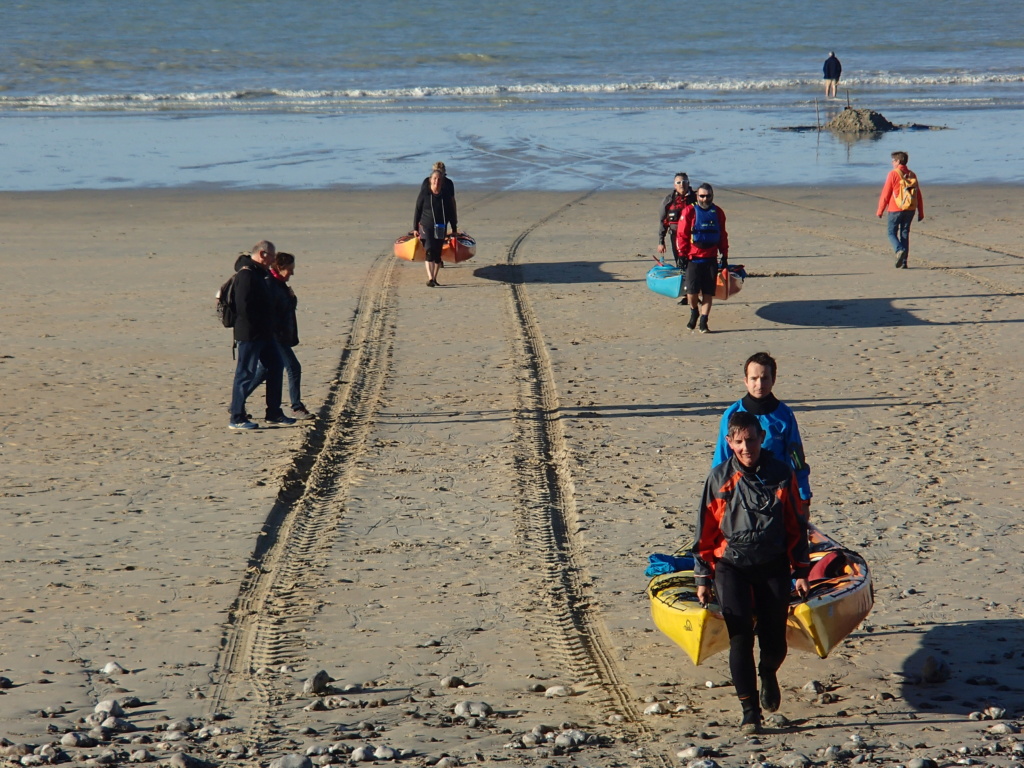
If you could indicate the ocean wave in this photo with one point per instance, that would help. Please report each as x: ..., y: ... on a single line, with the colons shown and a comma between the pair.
x: 273, y: 98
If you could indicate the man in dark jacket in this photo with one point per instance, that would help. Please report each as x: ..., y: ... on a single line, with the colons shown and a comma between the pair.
x: 254, y: 337
x: 286, y: 334
x: 832, y: 70
x: 751, y: 539
x: 672, y: 211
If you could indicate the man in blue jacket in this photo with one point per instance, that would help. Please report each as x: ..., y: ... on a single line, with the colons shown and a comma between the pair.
x: 782, y: 435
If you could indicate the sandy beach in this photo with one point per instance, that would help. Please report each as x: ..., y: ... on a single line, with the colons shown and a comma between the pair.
x: 492, y: 462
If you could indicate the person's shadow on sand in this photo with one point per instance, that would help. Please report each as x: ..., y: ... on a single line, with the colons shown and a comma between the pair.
x: 851, y: 313
x: 967, y: 667
x: 553, y: 274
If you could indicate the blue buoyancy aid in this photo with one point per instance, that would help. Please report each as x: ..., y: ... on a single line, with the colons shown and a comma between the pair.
x: 706, y: 229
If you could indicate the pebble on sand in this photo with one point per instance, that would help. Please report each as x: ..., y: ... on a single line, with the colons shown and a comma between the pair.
x: 77, y: 739
x: 692, y: 753
x: 794, y: 760
x: 1003, y: 729
x: 934, y: 671
x: 473, y: 709
x: 317, y: 684
x: 291, y: 761
x: 118, y: 725
x: 185, y: 760
x: 385, y: 753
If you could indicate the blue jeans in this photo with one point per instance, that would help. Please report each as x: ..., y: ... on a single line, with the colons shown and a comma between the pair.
x: 899, y: 230
x: 289, y: 363
x: 253, y: 355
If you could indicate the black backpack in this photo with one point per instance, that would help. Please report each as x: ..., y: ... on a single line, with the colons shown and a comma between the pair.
x: 226, y: 309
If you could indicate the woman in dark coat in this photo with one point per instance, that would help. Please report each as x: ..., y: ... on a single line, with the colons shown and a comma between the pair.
x: 435, y: 211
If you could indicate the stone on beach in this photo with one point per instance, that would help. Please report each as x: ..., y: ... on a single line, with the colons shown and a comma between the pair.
x: 291, y: 761
x: 556, y: 691
x: 318, y: 683
x: 934, y: 671
x: 473, y: 709
x: 185, y: 760
x: 111, y: 707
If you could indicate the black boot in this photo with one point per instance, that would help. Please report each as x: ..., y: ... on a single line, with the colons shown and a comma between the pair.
x: 692, y: 323
x: 771, y: 696
x: 751, y: 715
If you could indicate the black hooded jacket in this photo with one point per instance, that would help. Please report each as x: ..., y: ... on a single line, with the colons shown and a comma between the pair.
x: 255, y: 320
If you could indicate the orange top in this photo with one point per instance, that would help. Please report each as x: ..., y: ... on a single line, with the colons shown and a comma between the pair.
x: 887, y: 200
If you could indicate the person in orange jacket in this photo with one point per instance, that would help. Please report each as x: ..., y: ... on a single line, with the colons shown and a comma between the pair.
x: 899, y: 184
x: 751, y: 541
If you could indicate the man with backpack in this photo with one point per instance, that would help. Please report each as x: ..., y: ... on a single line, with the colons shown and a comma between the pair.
x: 901, y: 197
x: 254, y: 327
x: 700, y: 238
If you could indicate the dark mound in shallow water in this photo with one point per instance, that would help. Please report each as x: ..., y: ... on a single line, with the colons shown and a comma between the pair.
x: 852, y: 120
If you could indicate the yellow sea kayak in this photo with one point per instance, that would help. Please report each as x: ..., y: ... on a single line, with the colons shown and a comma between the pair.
x: 841, y: 597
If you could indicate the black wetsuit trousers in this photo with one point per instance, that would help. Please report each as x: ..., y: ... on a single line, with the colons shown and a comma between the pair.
x: 760, y: 591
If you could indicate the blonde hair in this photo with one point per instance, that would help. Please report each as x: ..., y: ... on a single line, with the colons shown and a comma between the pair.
x: 439, y: 166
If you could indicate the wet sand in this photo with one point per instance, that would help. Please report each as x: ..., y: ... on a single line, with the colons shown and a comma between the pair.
x: 492, y: 462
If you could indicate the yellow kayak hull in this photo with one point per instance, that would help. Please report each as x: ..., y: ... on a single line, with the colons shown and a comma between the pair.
x: 817, y: 624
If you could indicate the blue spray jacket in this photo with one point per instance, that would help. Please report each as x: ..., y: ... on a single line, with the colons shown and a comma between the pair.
x: 782, y: 436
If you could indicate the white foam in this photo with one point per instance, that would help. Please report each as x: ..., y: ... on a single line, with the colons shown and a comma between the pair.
x: 274, y: 99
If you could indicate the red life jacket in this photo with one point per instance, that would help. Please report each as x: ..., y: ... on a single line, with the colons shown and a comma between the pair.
x: 674, y: 210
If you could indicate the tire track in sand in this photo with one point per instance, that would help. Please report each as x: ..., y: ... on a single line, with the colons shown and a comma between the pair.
x: 279, y: 593
x: 551, y: 550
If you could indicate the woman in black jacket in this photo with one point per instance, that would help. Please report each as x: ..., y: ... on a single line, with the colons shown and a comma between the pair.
x: 435, y: 211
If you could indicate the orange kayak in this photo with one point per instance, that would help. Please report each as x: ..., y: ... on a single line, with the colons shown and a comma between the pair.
x: 729, y: 281
x: 456, y: 249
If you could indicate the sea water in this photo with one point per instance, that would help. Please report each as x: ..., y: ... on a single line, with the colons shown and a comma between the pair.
x: 531, y: 95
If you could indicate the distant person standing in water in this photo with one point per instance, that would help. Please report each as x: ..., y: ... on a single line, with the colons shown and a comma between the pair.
x: 832, y: 71
x: 901, y: 198
x: 435, y: 210
x: 672, y: 211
